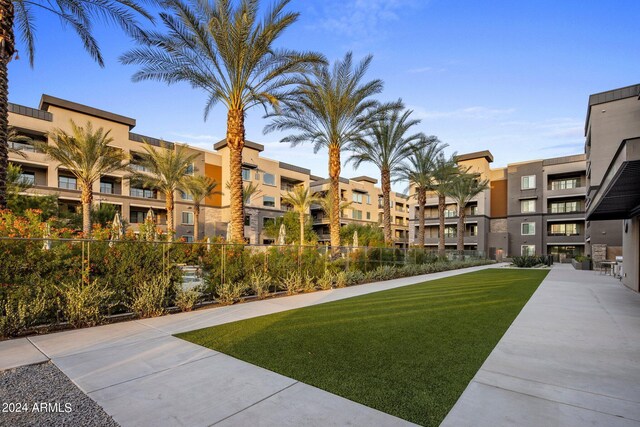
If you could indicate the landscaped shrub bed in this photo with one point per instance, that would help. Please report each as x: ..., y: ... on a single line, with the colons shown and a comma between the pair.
x: 58, y: 280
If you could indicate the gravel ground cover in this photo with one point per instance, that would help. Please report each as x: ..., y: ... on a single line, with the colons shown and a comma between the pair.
x: 41, y: 395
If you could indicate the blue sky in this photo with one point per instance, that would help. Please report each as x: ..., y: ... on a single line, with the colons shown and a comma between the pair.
x: 509, y: 76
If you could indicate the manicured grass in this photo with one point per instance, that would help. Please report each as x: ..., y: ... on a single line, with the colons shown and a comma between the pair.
x: 409, y: 351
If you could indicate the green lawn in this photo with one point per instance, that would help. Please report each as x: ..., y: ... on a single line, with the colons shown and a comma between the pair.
x: 409, y: 351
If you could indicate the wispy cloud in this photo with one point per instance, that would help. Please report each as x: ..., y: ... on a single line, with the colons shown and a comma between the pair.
x: 197, y: 137
x: 421, y: 70
x: 472, y: 113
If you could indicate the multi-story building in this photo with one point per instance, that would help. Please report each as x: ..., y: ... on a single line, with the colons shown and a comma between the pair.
x: 530, y: 208
x: 272, y: 178
x: 612, y: 147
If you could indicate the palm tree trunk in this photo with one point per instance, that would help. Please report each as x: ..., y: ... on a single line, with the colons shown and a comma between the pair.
x: 334, y: 176
x: 301, y: 228
x: 422, y: 200
x: 169, y: 205
x: 386, y: 208
x: 235, y: 141
x: 6, y: 53
x: 441, y: 206
x: 460, y: 228
x: 87, y: 198
x: 196, y: 221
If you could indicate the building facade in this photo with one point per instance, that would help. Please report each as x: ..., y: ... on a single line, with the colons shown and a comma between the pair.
x: 612, y: 147
x: 273, y: 179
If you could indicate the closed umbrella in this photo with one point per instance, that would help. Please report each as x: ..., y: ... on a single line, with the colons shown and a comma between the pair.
x: 355, y: 239
x: 282, y: 234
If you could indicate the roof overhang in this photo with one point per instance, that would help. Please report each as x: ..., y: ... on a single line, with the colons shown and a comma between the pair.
x: 248, y: 144
x: 619, y: 194
x: 47, y: 100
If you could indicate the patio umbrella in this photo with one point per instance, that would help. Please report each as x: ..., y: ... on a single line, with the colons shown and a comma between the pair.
x: 228, y: 238
x: 116, y: 229
x: 47, y: 233
x: 150, y: 229
x: 282, y: 234
x: 355, y: 239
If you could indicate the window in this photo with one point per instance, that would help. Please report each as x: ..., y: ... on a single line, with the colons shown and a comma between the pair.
x: 450, y: 231
x: 356, y: 214
x: 28, y: 178
x: 528, y: 228
x: 368, y: 197
x: 269, y: 201
x: 368, y: 215
x: 473, y: 210
x: 246, y: 174
x: 473, y: 230
x: 357, y: 197
x: 564, y: 207
x: 68, y: 182
x: 187, y: 218
x: 141, y: 192
x: 190, y: 169
x: 564, y: 184
x: 247, y: 220
x: 106, y: 187
x: 136, y: 217
x: 528, y: 250
x: 568, y: 229
x: 187, y: 238
x: 269, y: 179
x: 267, y: 220
x: 528, y: 182
x: 185, y: 196
x: 450, y: 213
x: 527, y: 206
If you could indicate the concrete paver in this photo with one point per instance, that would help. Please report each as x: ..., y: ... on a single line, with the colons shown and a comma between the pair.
x: 19, y: 352
x: 570, y: 358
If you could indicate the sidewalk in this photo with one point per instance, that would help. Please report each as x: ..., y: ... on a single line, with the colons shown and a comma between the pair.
x: 571, y: 358
x: 143, y: 376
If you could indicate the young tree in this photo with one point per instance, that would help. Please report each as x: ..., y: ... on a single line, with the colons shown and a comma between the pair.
x: 167, y: 172
x: 301, y: 200
x: 87, y: 155
x: 462, y: 189
x: 199, y: 187
x: 17, y: 16
x: 331, y: 108
x: 417, y: 170
x: 386, y: 145
x: 228, y: 52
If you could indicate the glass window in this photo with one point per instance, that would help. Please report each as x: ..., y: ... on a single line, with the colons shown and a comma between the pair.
x: 185, y: 196
x: 141, y: 192
x: 28, y: 178
x: 106, y: 187
x: 357, y: 214
x: 187, y: 218
x: 247, y: 220
x: 450, y: 231
x: 269, y: 178
x: 368, y: 197
x: 564, y: 184
x: 190, y: 169
x: 528, y: 182
x: 568, y: 229
x: 269, y: 201
x: 136, y: 217
x: 187, y: 238
x: 357, y: 197
x: 527, y: 206
x: 368, y: 215
x: 450, y: 213
x: 528, y: 228
x: 68, y: 182
x: 473, y: 230
x: 246, y: 174
x: 528, y: 250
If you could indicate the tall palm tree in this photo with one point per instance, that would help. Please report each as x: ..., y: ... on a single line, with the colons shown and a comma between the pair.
x: 301, y: 200
x: 326, y: 204
x: 167, y: 172
x: 229, y: 53
x: 417, y: 170
x: 17, y: 16
x: 87, y: 155
x: 462, y: 189
x: 331, y: 108
x: 199, y: 187
x: 386, y: 145
x: 445, y: 170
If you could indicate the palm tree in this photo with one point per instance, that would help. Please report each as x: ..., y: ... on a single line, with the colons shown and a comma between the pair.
x: 462, y: 189
x: 167, y: 172
x: 445, y: 170
x: 80, y: 15
x: 16, y: 183
x: 87, y: 155
x: 326, y: 204
x: 229, y: 53
x: 301, y: 200
x: 417, y: 170
x: 386, y: 145
x: 248, y: 192
x: 331, y: 108
x: 199, y: 187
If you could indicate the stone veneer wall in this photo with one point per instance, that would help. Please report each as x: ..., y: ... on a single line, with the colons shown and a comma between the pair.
x: 598, y: 252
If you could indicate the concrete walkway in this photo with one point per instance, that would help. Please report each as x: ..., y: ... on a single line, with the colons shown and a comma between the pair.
x: 143, y: 376
x: 571, y: 358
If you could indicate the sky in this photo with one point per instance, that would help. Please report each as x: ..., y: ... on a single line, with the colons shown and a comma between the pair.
x: 512, y: 77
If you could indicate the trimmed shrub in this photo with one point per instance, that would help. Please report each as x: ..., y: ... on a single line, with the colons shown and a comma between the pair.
x: 260, y: 283
x: 527, y: 261
x: 149, y: 297
x: 83, y: 304
x: 186, y: 299
x: 229, y: 293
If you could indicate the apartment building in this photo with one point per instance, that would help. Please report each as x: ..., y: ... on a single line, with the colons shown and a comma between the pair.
x: 612, y: 146
x: 530, y: 208
x: 365, y: 207
x: 272, y: 178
